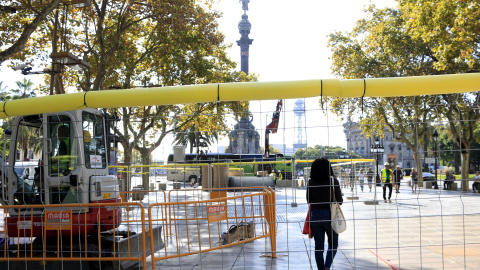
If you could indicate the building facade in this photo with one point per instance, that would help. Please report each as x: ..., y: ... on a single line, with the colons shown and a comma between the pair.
x: 359, y: 144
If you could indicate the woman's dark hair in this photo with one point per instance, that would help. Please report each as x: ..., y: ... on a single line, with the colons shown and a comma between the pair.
x: 321, y: 170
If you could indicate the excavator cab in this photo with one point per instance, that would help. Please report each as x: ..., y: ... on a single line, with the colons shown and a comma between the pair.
x: 71, y: 186
x: 71, y: 153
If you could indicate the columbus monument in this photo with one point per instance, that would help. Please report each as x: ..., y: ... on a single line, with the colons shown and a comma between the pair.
x: 244, y: 139
x: 244, y: 27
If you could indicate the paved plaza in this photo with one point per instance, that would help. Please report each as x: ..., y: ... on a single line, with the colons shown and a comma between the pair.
x: 432, y: 229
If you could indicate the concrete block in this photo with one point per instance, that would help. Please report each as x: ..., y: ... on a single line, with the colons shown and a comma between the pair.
x: 428, y: 184
x: 454, y: 186
x: 287, y: 183
x: 262, y: 173
x: 162, y: 186
x: 236, y: 173
x: 177, y: 185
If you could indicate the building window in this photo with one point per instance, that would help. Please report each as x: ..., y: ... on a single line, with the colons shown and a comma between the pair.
x: 362, y: 151
x: 356, y: 150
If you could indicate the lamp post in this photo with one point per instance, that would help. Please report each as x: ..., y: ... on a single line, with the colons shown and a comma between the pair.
x: 378, y: 150
x: 435, y: 138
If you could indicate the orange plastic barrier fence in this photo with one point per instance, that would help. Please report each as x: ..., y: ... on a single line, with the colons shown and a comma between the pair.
x: 198, y: 221
x: 184, y: 216
x: 76, y: 242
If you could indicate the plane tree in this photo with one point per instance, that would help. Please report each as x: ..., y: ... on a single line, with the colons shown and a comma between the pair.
x: 451, y: 29
x: 418, y: 37
x: 25, y: 15
x: 378, y: 47
x: 137, y: 44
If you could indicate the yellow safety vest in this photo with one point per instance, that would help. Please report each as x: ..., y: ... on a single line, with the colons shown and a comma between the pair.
x: 384, y: 175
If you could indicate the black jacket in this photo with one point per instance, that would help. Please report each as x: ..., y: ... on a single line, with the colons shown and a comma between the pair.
x: 319, y: 194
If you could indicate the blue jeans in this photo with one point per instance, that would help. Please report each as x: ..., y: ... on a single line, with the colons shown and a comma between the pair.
x: 320, y: 224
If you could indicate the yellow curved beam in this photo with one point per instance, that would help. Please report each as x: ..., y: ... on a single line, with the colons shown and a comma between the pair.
x: 381, y: 87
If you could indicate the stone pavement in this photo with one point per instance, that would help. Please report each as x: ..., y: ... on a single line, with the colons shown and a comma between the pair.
x: 432, y: 229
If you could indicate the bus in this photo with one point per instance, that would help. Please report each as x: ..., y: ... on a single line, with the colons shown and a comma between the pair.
x: 191, y: 172
x: 224, y: 157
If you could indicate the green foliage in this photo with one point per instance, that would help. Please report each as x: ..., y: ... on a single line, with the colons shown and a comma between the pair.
x: 417, y: 37
x: 331, y: 152
x: 195, y: 138
x: 24, y: 90
x: 4, y: 143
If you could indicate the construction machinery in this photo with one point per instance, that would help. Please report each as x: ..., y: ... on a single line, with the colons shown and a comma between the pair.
x: 72, y: 152
x: 272, y: 127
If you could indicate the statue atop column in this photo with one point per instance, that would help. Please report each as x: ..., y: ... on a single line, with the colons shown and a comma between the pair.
x: 245, y: 4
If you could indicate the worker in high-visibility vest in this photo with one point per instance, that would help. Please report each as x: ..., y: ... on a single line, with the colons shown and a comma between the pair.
x: 280, y: 176
x: 387, y: 179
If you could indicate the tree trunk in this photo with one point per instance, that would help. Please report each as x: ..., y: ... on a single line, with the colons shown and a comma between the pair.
x: 418, y: 165
x: 126, y: 184
x: 425, y: 152
x: 145, y: 170
x: 465, y: 169
x: 456, y: 158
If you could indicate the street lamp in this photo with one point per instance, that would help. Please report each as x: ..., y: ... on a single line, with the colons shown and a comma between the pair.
x: 70, y: 60
x: 378, y: 150
x: 435, y: 138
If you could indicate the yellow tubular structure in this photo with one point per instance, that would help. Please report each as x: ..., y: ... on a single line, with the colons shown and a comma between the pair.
x: 381, y: 87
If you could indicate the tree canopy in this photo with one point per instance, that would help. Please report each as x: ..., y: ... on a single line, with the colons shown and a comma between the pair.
x: 132, y: 44
x: 417, y: 37
x: 28, y: 16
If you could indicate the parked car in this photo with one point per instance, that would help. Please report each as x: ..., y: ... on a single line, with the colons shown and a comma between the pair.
x: 428, y: 176
x: 26, y: 169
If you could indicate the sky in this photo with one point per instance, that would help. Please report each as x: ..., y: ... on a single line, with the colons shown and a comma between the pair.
x: 289, y: 43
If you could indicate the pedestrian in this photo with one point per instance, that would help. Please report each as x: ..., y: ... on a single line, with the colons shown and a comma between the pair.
x: 476, y: 182
x: 320, y: 197
x: 414, y: 176
x: 449, y: 178
x: 343, y: 178
x: 361, y: 178
x: 397, y: 177
x: 352, y: 177
x: 370, y: 174
x: 387, y: 182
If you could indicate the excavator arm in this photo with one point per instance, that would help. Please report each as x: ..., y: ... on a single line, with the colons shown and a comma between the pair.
x: 272, y: 127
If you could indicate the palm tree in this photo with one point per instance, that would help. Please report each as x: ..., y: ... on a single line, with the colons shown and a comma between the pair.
x: 3, y: 91
x: 195, y: 138
x: 24, y: 89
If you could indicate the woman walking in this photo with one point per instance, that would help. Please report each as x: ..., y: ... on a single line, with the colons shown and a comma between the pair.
x: 323, y: 189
